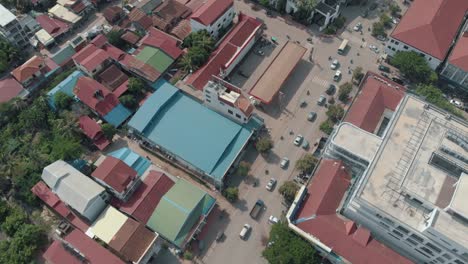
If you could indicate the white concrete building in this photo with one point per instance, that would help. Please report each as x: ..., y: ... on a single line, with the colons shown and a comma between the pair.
x: 429, y: 28
x: 11, y: 29
x: 213, y: 16
x: 228, y: 100
x: 325, y: 12
x: 410, y: 183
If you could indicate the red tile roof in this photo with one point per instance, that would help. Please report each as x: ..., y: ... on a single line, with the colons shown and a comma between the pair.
x: 210, y: 11
x: 459, y: 55
x: 53, y: 26
x: 112, y: 13
x: 431, y: 25
x: 377, y: 93
x: 317, y: 217
x: 158, y: 39
x: 147, y: 196
x: 228, y: 50
x: 114, y: 52
x: 130, y: 37
x: 172, y: 10
x: 93, y: 131
x: 182, y: 30
x: 53, y: 202
x: 99, y: 41
x: 78, y: 6
x: 28, y: 69
x: 9, y: 88
x: 138, y: 16
x: 86, y: 89
x: 115, y: 173
x: 90, y: 57
x: 59, y: 253
x: 114, y: 79
x: 140, y: 68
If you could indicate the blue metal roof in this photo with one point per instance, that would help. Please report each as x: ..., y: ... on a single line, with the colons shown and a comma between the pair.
x: 188, y: 129
x: 132, y: 159
x: 66, y: 86
x: 63, y: 55
x: 118, y: 115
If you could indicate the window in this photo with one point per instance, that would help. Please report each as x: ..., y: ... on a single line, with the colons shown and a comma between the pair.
x: 397, y: 43
x: 402, y: 229
x: 238, y: 116
x: 393, y: 49
x: 390, y: 47
x: 397, y: 233
x: 207, y: 96
x: 458, y: 261
x: 224, y: 19
x: 229, y: 111
x: 392, y: 41
x: 415, y: 237
x: 208, y: 100
x: 427, y: 251
x: 411, y: 241
x: 221, y: 103
x: 434, y: 248
x: 430, y: 59
x: 207, y: 91
x: 441, y: 260
x: 447, y: 256
x: 219, y: 25
x: 405, y: 47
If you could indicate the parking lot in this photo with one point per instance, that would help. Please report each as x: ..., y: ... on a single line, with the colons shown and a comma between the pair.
x: 285, y: 121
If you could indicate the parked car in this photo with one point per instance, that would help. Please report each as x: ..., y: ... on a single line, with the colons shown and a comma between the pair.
x: 273, y: 219
x: 374, y: 48
x: 358, y: 27
x: 219, y: 236
x: 311, y: 116
x: 381, y: 38
x: 245, y: 229
x: 456, y: 103
x: 397, y: 80
x: 298, y: 140
x: 334, y: 64
x: 284, y: 163
x: 305, y: 144
x: 331, y: 89
x: 385, y: 75
x: 322, y: 100
x: 384, y: 68
x: 271, y: 184
x: 337, y: 76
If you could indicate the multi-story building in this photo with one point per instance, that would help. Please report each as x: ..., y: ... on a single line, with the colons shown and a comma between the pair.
x: 429, y: 28
x: 228, y: 100
x: 325, y: 12
x: 11, y: 30
x: 410, y: 172
x: 455, y: 69
x: 213, y: 16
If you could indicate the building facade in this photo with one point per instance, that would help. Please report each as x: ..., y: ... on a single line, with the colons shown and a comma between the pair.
x: 11, y: 29
x: 394, y: 45
x: 213, y: 16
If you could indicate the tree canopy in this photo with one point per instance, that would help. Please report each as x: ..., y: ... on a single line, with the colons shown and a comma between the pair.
x: 288, y: 189
x: 434, y: 96
x: 344, y: 91
x: 287, y: 247
x: 63, y: 100
x: 115, y: 38
x: 243, y: 168
x: 231, y: 194
x: 264, y: 144
x: 335, y: 113
x: 200, y: 45
x: 136, y: 85
x: 414, y: 67
x: 306, y: 163
x: 8, y: 54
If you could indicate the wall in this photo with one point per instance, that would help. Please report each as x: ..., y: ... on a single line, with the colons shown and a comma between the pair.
x: 212, y: 101
x: 456, y: 76
x: 241, y: 55
x: 95, y: 207
x: 393, y: 45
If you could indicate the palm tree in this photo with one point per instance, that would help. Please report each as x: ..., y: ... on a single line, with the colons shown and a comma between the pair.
x: 186, y: 63
x: 18, y: 104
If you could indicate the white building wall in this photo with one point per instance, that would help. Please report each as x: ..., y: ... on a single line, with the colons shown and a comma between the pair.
x: 215, y: 27
x: 240, y: 56
x: 393, y: 46
x: 212, y: 101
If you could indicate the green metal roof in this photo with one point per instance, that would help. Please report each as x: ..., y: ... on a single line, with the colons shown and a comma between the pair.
x: 179, y: 210
x: 156, y: 58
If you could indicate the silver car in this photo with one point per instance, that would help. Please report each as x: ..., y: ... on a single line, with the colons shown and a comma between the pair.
x: 284, y: 163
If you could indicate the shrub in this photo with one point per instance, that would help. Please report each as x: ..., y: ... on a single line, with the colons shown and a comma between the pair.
x: 231, y: 194
x: 264, y: 144
x: 327, y: 126
x: 344, y: 91
x: 288, y: 190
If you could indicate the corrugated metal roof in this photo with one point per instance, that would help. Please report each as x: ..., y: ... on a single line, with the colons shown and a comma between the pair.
x: 155, y: 57
x: 66, y: 86
x: 108, y: 224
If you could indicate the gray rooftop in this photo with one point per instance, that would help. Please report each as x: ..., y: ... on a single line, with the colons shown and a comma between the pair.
x: 404, y: 168
x: 71, y: 186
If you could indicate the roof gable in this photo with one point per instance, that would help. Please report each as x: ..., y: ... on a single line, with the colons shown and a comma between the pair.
x: 115, y: 173
x: 95, y: 95
x: 210, y: 11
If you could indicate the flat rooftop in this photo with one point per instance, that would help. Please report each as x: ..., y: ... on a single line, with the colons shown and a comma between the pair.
x: 408, y: 168
x: 357, y: 141
x: 186, y: 128
x: 277, y: 72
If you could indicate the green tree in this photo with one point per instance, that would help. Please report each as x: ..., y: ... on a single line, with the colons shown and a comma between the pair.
x: 62, y: 100
x: 264, y: 144
x: 287, y: 247
x: 136, y: 86
x: 231, y: 194
x: 395, y: 9
x: 335, y: 113
x: 264, y: 2
x: 188, y: 255
x: 306, y: 163
x: 114, y: 38
x: 435, y: 96
x: 288, y: 190
x: 23, y: 245
x: 243, y: 168
x: 65, y: 148
x: 414, y: 67
x: 4, y: 210
x: 386, y: 20
x: 14, y: 221
x: 378, y: 29
x: 327, y: 126
x: 344, y: 91
x: 358, y: 74
x: 339, y: 22
x: 8, y: 54
x: 108, y: 130
x: 128, y: 101
x: 186, y: 64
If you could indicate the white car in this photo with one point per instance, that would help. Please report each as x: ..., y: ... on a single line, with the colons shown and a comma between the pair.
x: 337, y: 76
x: 298, y: 140
x: 273, y: 219
x: 284, y: 163
x: 357, y: 27
x: 271, y: 184
x: 245, y: 229
x: 334, y: 64
x: 456, y: 103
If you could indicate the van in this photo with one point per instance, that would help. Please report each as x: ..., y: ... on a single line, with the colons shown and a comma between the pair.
x: 245, y: 229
